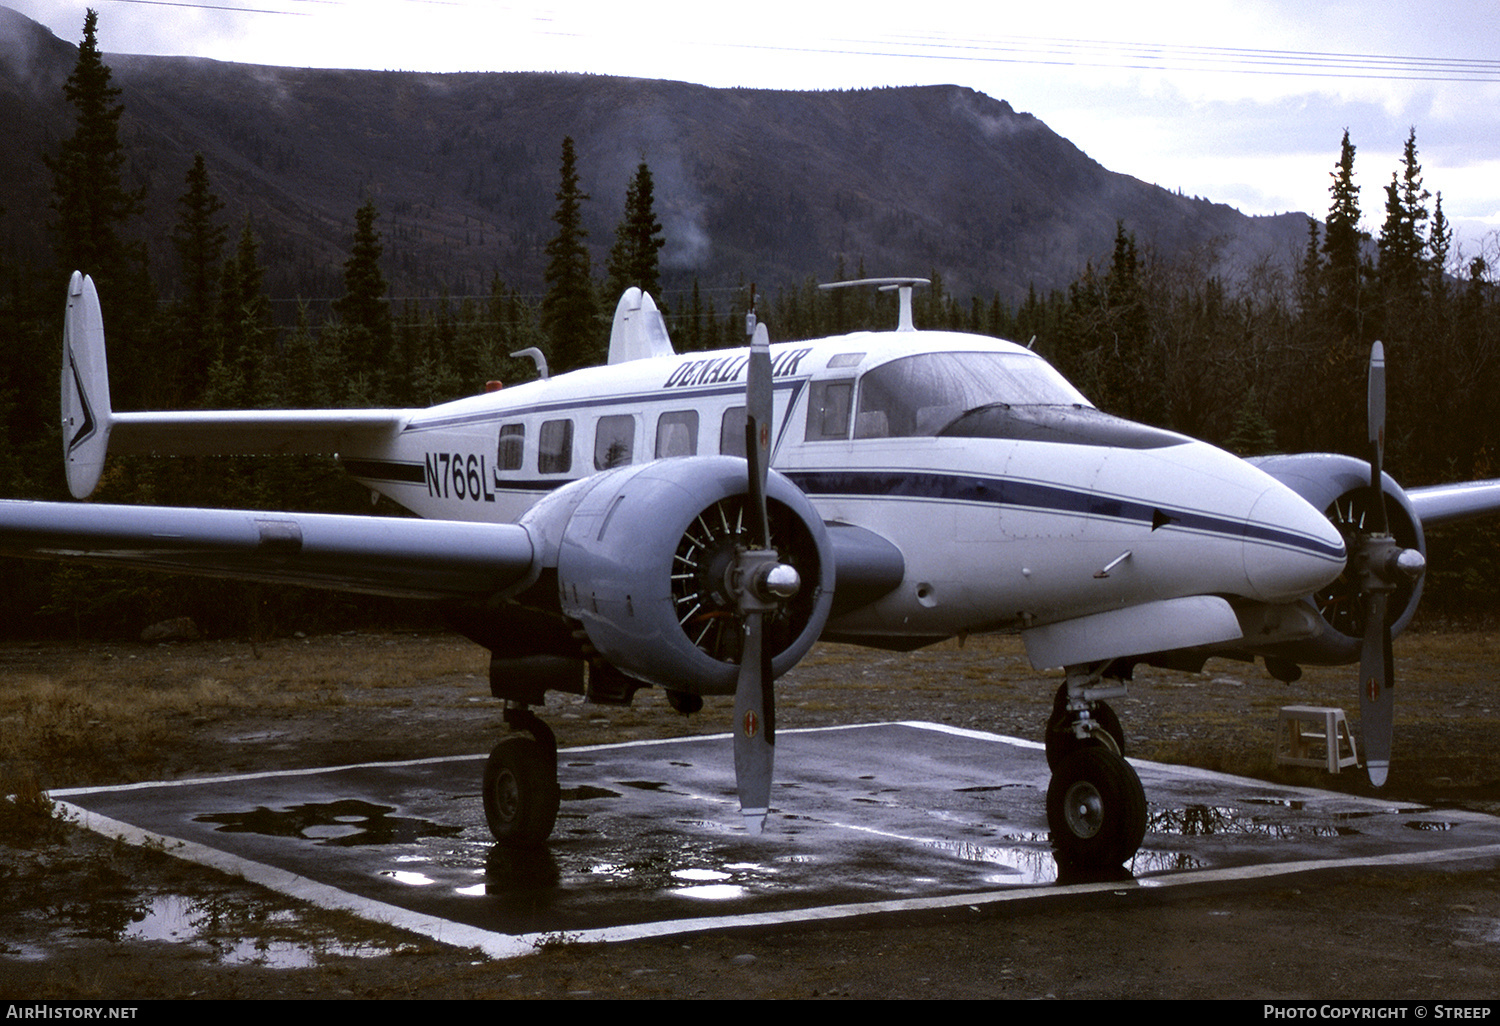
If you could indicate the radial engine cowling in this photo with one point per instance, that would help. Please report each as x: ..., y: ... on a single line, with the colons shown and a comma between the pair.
x: 643, y: 559
x: 1340, y: 486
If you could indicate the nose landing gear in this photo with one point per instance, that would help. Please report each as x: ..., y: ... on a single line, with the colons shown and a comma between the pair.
x: 1096, y: 807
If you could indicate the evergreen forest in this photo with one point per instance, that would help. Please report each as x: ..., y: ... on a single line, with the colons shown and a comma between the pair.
x: 1271, y: 362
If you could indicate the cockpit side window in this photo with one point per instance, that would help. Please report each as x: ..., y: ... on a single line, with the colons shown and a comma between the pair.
x: 732, y: 432
x: 828, y: 405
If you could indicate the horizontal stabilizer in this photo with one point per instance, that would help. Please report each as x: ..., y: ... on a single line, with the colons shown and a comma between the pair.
x: 252, y: 432
x: 91, y: 428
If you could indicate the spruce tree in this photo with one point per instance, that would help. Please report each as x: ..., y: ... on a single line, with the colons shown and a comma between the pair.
x: 569, y: 310
x: 365, y: 306
x: 1439, y: 243
x: 1342, y: 245
x: 1402, y: 244
x: 634, y: 260
x: 88, y: 194
x: 199, y: 241
x: 1310, y: 274
x: 92, y: 205
x: 198, y: 238
x: 245, y: 331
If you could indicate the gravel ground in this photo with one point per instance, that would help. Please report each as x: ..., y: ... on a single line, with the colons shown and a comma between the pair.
x: 78, y: 908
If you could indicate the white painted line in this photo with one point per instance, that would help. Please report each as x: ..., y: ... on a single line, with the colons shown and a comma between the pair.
x: 69, y: 792
x: 495, y: 945
x: 644, y: 931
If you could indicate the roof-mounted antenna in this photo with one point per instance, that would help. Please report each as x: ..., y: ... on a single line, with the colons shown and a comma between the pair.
x: 902, y: 286
x: 537, y: 357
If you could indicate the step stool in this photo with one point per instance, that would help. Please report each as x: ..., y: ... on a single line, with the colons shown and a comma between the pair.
x: 1300, y: 724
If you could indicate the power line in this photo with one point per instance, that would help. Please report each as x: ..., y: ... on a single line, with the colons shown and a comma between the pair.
x: 226, y: 7
x: 1034, y: 50
x: 1160, y: 57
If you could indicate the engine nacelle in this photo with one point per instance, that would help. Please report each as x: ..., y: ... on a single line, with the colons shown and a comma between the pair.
x: 1340, y: 486
x: 642, y: 554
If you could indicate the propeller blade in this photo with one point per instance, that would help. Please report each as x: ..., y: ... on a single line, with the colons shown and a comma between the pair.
x: 754, y: 693
x: 754, y: 742
x: 1377, y: 696
x: 758, y: 432
x: 1376, y: 416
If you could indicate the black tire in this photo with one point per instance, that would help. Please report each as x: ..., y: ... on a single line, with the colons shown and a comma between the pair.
x: 520, y: 792
x: 1060, y: 740
x: 1096, y: 809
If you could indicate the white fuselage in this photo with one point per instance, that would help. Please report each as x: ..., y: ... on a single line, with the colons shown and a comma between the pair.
x: 1010, y: 520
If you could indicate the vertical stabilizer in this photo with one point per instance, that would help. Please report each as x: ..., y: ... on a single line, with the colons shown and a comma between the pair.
x: 639, y: 331
x: 85, y: 388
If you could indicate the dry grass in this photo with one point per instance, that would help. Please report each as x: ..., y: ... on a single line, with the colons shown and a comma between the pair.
x: 75, y: 715
x: 65, y: 711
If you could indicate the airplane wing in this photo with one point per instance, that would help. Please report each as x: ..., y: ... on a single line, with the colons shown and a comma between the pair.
x: 250, y: 432
x: 1442, y: 504
x: 431, y: 559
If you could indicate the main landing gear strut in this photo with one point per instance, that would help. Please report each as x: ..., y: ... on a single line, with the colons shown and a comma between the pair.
x: 520, y: 781
x: 1096, y: 807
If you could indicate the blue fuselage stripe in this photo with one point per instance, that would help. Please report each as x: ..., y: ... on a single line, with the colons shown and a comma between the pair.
x: 1034, y: 495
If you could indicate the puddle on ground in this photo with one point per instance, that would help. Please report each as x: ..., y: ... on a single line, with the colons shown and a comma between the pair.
x: 584, y: 792
x: 234, y: 930
x: 346, y: 822
x: 1026, y: 865
x: 220, y: 925
x: 1227, y: 820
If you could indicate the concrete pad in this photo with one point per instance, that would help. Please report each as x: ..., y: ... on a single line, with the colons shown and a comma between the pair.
x: 870, y: 818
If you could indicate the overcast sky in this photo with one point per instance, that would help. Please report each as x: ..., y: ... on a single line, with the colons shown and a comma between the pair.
x: 1241, y: 101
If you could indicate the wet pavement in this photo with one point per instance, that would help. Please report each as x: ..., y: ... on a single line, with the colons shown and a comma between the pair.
x: 649, y: 839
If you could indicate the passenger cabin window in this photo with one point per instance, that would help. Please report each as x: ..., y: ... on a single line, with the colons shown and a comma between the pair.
x: 828, y: 409
x: 922, y: 395
x: 614, y: 441
x: 677, y: 434
x: 554, y: 445
x: 732, y: 432
x: 512, y: 447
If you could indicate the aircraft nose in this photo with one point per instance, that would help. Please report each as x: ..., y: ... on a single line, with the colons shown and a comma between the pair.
x: 1290, y: 548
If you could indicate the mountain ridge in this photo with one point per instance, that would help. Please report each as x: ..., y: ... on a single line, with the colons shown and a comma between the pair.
x: 751, y: 184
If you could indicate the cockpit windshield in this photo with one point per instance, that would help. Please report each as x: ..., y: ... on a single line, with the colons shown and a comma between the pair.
x: 988, y: 395
x: 921, y: 395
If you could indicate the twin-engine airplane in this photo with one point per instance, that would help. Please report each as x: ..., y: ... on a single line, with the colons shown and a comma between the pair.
x: 696, y: 522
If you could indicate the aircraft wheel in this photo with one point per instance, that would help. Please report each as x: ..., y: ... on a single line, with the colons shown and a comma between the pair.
x: 520, y: 792
x: 1096, y: 809
x: 1062, y: 742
